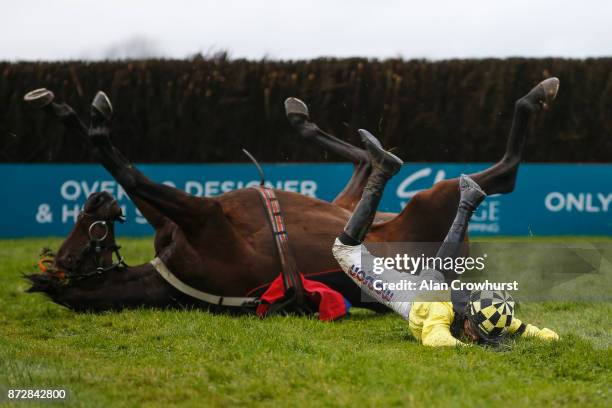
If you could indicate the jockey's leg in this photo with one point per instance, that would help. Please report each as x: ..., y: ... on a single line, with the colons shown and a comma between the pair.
x: 501, y: 177
x: 348, y: 249
x: 384, y: 166
x: 471, y: 195
x: 349, y: 252
x: 350, y: 257
x: 299, y: 118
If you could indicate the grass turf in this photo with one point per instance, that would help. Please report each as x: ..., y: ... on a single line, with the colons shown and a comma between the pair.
x: 160, y: 358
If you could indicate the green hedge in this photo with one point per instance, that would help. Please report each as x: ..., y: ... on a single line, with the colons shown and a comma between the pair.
x: 207, y: 110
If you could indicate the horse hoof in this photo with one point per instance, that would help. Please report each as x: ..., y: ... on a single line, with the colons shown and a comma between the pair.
x: 296, y: 109
x: 102, y: 105
x: 542, y: 94
x: 39, y: 98
x: 550, y: 87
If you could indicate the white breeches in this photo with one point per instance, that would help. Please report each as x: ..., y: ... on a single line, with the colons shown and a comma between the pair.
x: 350, y: 260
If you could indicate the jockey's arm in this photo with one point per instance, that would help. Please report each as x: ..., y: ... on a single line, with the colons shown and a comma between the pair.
x: 436, y: 328
x: 519, y: 328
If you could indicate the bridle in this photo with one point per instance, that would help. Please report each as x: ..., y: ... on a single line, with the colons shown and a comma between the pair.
x: 97, y: 247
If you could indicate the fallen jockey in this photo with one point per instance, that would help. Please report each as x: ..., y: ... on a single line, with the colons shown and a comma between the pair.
x: 485, y: 317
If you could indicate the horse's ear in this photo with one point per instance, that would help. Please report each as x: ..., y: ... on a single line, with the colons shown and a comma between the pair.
x: 117, y: 213
x: 120, y: 217
x: 98, y: 200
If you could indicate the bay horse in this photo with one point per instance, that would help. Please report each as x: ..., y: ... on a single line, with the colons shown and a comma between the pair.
x: 223, y: 245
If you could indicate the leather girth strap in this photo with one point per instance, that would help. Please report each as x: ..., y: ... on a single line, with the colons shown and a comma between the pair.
x: 181, y: 286
x: 291, y: 277
x: 289, y: 270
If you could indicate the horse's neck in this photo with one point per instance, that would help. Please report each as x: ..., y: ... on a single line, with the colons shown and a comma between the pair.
x: 125, y: 287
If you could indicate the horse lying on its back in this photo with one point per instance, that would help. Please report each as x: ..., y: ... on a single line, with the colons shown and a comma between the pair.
x: 224, y: 245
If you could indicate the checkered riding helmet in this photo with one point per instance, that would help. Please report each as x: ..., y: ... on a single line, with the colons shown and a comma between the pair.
x: 491, y: 312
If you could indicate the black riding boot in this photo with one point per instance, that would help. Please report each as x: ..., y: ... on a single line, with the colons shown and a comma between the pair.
x: 471, y: 197
x: 384, y: 166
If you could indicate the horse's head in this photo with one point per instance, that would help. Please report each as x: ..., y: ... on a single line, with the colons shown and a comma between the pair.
x: 91, y: 243
x: 86, y: 253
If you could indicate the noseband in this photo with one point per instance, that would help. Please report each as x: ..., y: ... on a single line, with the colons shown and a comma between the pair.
x: 96, y: 247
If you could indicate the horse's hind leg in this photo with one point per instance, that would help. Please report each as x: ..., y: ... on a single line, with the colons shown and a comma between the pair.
x: 350, y: 195
x: 501, y: 177
x: 299, y: 118
x: 429, y: 214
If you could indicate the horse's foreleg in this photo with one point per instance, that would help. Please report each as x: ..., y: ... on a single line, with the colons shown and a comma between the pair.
x: 115, y: 163
x: 299, y: 118
x: 156, y: 200
x: 43, y: 98
x: 501, y: 177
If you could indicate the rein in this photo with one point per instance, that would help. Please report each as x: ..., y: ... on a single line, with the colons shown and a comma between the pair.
x: 99, y: 268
